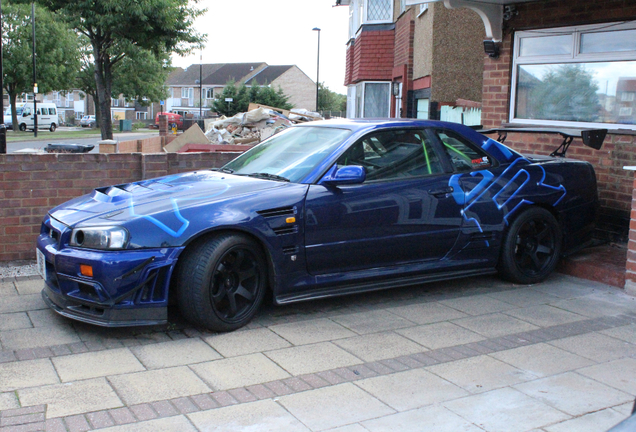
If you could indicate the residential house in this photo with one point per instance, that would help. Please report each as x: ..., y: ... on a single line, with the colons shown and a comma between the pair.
x: 193, y: 89
x: 409, y: 61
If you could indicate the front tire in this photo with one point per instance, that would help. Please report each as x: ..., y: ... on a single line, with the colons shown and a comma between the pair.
x: 531, y: 248
x: 22, y: 127
x: 221, y: 282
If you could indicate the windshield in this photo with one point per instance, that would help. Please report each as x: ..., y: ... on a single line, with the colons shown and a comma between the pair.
x: 291, y: 154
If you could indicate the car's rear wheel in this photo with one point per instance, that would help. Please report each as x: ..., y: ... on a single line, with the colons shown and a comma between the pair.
x: 53, y: 127
x: 531, y: 247
x: 221, y: 282
x: 22, y: 127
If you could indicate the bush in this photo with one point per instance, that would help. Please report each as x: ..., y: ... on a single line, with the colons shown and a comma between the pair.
x: 138, y: 125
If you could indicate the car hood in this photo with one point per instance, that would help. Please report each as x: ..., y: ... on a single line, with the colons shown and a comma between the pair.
x: 123, y: 202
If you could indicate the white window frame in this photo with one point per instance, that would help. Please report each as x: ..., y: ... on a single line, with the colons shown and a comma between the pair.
x: 574, y: 57
x: 114, y: 102
x: 141, y: 115
x: 358, y: 16
x: 423, y: 8
x: 360, y: 90
x: 69, y: 98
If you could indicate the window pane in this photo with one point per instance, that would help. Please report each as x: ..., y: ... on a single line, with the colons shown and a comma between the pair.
x: 463, y: 156
x: 379, y: 10
x: 581, y: 92
x: 622, y: 40
x: 376, y: 100
x: 393, y: 154
x: 545, y: 45
x: 422, y: 109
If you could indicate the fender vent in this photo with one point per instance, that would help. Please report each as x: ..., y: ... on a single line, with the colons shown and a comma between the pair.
x: 286, y: 230
x: 290, y: 250
x: 281, y: 211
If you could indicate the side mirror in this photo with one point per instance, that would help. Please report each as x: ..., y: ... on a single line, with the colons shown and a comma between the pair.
x: 351, y: 174
x: 25, y: 114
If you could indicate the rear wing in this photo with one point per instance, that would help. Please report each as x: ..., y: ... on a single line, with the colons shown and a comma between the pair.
x: 591, y: 137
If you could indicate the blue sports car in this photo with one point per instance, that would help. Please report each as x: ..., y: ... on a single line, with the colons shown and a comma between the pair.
x: 322, y: 209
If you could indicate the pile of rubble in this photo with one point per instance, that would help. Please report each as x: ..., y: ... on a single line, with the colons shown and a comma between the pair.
x: 259, y: 123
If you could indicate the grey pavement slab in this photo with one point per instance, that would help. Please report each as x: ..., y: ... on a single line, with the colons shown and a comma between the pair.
x: 168, y: 424
x: 311, y: 331
x: 379, y: 346
x: 431, y: 418
x: 350, y: 428
x: 372, y: 321
x: 38, y: 337
x: 412, y: 389
x: 261, y: 416
x: 505, y: 410
x: 524, y: 297
x: 312, y: 358
x: 626, y: 333
x: 495, y: 325
x: 426, y: 313
x: 440, y: 335
x: 30, y: 373
x: 620, y: 374
x: 22, y: 303
x: 174, y: 353
x: 246, y: 342
x: 238, y: 372
x: 592, y: 306
x: 8, y: 400
x: 25, y: 287
x: 480, y: 374
x: 596, y: 346
x: 156, y: 385
x: 72, y: 398
x: 573, y: 393
x: 47, y: 318
x: 96, y: 364
x: 594, y: 422
x: 477, y: 305
x: 542, y: 359
x: 545, y: 315
x: 14, y: 321
x: 334, y: 406
x: 7, y: 289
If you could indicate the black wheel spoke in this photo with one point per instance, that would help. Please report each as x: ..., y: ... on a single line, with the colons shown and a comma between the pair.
x: 219, y: 295
x: 245, y: 293
x: 232, y: 305
x: 544, y: 249
x: 248, y: 273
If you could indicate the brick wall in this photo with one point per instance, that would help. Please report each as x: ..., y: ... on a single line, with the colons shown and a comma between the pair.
x: 299, y: 87
x: 373, y: 56
x: 404, y: 35
x: 32, y: 184
x: 630, y: 266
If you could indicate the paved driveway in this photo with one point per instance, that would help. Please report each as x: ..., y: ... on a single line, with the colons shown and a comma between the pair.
x: 470, y: 355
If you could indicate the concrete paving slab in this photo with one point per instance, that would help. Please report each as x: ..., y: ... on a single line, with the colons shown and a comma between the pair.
x: 564, y: 286
x: 174, y: 353
x: 29, y: 373
x: 379, y: 346
x: 23, y: 303
x: 312, y: 358
x: 426, y: 313
x: 573, y: 393
x: 505, y: 410
x: 524, y: 297
x: 47, y: 318
x: 8, y: 400
x: 591, y: 307
x: 96, y: 364
x: 480, y: 374
x: 167, y: 424
x: 594, y: 422
x: 412, y: 389
x: 71, y: 398
x: 14, y: 321
x: 350, y: 428
x: 311, y: 331
x: 38, y: 337
x: 246, y: 342
x: 372, y: 321
x: 431, y: 418
x: 261, y: 416
x: 8, y: 289
x: 595, y: 346
x: 334, y: 406
x: 545, y: 315
x: 440, y: 335
x: 238, y: 372
x: 25, y: 287
x: 542, y: 359
x: 495, y: 325
x: 626, y: 333
x: 150, y: 386
x: 477, y: 305
x: 624, y: 409
x: 620, y: 374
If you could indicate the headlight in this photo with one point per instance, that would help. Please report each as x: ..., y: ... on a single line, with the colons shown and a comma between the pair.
x: 113, y: 237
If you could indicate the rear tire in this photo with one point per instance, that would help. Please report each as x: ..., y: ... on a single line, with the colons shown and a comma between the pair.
x: 53, y: 127
x: 531, y: 248
x: 221, y: 282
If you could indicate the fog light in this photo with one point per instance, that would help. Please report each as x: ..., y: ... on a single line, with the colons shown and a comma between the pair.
x: 86, y: 270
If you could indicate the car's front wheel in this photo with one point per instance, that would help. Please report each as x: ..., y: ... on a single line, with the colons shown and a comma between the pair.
x: 531, y: 247
x: 221, y: 282
x: 22, y: 127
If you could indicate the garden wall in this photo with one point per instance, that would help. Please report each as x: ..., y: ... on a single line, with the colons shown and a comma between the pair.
x: 32, y: 184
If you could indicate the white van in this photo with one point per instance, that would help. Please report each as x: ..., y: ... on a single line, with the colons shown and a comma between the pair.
x: 47, y: 116
x: 7, y: 114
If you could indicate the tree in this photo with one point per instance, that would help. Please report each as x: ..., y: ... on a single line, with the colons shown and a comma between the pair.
x: 118, y: 29
x: 329, y: 100
x: 57, y: 52
x: 243, y: 96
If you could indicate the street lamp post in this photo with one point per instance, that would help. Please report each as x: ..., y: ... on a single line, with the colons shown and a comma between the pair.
x: 3, y: 129
x: 35, y: 81
x: 201, y: 86
x: 317, y: 67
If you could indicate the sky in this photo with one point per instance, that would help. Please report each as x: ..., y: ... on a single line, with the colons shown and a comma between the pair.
x: 275, y: 32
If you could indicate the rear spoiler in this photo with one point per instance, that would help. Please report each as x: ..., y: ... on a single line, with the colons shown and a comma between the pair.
x: 591, y: 137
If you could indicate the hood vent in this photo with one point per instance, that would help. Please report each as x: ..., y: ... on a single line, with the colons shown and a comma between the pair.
x: 281, y: 211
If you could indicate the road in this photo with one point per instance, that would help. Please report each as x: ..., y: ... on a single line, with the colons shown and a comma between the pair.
x: 40, y: 143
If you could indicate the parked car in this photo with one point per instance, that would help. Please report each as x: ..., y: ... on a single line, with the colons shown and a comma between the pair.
x: 172, y: 119
x: 322, y: 209
x: 88, y: 121
x: 46, y: 116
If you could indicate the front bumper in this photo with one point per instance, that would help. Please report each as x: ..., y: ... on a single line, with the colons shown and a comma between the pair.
x: 128, y: 288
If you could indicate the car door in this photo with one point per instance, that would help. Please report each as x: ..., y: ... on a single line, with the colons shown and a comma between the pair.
x: 402, y: 213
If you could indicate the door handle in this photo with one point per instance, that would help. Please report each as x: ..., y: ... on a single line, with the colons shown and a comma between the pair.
x: 441, y: 192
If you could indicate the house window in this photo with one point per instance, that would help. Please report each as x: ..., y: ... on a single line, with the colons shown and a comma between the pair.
x: 114, y: 102
x: 422, y: 109
x: 423, y: 8
x: 371, y: 100
x: 141, y: 115
x: 78, y: 115
x: 208, y: 93
x: 188, y: 93
x: 575, y: 76
x: 370, y: 12
x: 379, y: 10
x: 69, y: 98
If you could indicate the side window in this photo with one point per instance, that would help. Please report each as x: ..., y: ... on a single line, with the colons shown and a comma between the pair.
x: 26, y: 112
x: 52, y: 111
x: 393, y: 154
x: 463, y: 155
